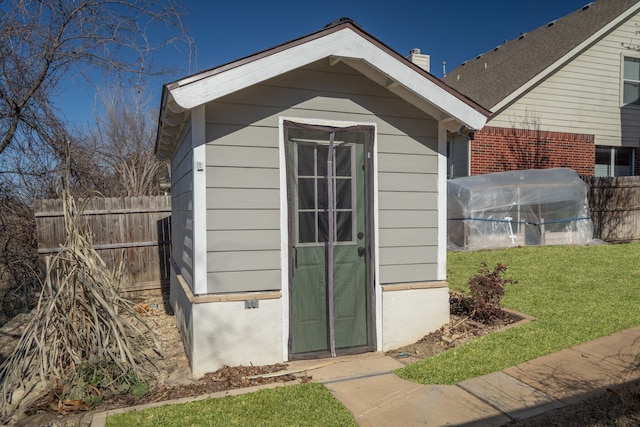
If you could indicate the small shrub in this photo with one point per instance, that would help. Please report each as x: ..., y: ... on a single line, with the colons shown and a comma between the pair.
x: 94, y: 381
x: 487, y: 289
x: 139, y: 389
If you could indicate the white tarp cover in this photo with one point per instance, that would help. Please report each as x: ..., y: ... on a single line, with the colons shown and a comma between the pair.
x: 518, y: 208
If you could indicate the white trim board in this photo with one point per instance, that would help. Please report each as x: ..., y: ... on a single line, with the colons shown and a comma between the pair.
x: 199, y: 195
x: 344, y: 43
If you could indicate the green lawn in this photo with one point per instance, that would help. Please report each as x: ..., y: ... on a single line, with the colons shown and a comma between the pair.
x: 308, y: 404
x: 577, y: 293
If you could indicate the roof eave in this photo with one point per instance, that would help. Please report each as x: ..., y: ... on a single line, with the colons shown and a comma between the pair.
x: 170, y: 124
x: 345, y: 42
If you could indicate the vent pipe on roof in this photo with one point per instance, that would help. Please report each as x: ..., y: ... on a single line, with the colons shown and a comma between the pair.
x: 342, y: 21
x: 421, y: 60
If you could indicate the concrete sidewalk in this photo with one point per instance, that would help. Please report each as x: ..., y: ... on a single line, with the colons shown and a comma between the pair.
x: 376, y: 397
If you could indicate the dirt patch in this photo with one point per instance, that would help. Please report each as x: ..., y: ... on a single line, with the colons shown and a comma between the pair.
x: 462, y: 327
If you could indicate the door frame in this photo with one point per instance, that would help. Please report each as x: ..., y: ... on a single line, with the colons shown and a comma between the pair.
x: 371, y: 192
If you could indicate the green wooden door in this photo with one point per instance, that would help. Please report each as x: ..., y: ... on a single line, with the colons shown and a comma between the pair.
x: 309, y: 213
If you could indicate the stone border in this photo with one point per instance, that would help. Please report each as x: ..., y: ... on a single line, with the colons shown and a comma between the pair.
x: 524, y: 319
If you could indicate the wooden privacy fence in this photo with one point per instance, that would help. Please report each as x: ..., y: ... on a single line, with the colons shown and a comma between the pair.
x: 139, y: 227
x: 615, y: 207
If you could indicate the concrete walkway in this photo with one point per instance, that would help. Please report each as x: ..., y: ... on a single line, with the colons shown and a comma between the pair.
x: 376, y: 397
x: 366, y: 385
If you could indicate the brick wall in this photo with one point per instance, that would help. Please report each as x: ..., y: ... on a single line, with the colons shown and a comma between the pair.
x: 496, y: 149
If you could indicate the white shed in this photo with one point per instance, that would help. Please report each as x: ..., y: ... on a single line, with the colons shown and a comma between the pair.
x: 309, y: 200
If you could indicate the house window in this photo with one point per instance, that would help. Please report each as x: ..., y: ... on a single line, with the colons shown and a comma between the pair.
x: 457, y: 156
x: 614, y: 161
x: 631, y: 81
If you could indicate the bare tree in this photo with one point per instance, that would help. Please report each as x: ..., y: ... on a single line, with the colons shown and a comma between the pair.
x: 32, y: 166
x: 122, y: 144
x: 44, y: 42
x: 18, y: 256
x: 524, y: 152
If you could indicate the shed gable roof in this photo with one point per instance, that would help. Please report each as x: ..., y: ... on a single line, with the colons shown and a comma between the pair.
x: 496, y: 78
x: 343, y: 41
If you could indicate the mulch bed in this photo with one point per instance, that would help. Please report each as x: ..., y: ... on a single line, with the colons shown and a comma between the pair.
x: 463, y: 326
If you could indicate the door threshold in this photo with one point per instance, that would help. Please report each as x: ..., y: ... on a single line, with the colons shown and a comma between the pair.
x: 324, y: 354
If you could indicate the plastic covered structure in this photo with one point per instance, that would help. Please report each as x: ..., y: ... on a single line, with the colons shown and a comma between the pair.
x: 518, y: 208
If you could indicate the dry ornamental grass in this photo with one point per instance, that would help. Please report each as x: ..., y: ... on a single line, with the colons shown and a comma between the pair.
x: 81, y: 328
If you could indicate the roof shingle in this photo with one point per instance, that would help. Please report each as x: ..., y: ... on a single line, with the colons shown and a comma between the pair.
x: 494, y: 75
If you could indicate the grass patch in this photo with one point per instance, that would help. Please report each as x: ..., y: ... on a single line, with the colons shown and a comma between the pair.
x: 577, y: 293
x: 308, y: 404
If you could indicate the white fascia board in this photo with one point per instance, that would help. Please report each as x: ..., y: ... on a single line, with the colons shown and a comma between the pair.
x: 344, y: 43
x: 246, y: 75
x: 496, y: 109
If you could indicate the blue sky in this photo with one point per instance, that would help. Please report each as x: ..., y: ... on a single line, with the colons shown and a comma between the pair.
x: 449, y: 30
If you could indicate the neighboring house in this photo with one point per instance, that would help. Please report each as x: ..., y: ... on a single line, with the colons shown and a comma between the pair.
x: 564, y: 95
x: 248, y: 143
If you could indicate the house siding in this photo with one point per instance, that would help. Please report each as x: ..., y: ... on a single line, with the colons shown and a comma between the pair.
x: 243, y: 194
x: 584, y: 96
x: 407, y: 203
x: 243, y: 202
x: 182, y: 207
